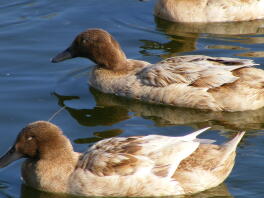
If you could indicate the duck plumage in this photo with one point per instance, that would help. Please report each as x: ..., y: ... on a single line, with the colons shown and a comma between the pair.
x: 152, y: 165
x: 193, y: 81
x: 209, y: 10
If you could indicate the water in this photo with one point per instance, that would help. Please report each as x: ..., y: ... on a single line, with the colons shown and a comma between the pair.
x: 33, y: 89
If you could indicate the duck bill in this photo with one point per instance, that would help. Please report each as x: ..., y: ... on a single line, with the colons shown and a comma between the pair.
x: 66, y: 54
x: 9, y: 157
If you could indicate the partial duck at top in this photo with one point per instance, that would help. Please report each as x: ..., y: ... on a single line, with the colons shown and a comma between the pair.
x: 193, y: 81
x: 209, y: 10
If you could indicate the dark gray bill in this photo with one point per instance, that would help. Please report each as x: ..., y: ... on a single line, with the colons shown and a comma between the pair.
x: 9, y: 157
x: 66, y: 54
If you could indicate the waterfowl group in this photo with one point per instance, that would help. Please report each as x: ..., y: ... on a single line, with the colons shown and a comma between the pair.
x: 209, y: 10
x: 193, y: 81
x: 152, y: 165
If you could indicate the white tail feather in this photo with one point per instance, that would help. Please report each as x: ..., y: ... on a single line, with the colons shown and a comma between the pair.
x: 193, y: 135
x: 204, y: 141
x: 231, y: 146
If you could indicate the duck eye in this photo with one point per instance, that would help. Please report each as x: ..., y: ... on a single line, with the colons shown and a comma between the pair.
x: 29, y: 138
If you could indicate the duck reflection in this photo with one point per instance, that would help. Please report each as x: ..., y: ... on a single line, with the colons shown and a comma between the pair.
x: 111, y: 109
x: 99, y: 136
x: 99, y: 115
x: 225, y: 28
x: 219, y: 191
x: 176, y: 43
x: 182, y: 37
x: 27, y: 192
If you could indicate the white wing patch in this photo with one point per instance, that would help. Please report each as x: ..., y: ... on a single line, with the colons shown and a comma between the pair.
x: 152, y: 154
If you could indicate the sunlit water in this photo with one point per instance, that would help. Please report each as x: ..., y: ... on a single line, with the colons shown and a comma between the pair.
x: 33, y: 89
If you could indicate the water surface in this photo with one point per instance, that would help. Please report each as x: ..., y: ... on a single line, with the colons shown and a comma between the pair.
x: 33, y: 89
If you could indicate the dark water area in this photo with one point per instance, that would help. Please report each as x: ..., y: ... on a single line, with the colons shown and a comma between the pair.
x: 32, y: 88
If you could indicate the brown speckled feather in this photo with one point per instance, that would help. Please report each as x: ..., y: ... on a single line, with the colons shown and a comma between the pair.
x: 198, y: 71
x: 127, y: 156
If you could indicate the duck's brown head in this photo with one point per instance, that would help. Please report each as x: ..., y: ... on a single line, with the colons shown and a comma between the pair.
x: 97, y: 45
x: 37, y: 140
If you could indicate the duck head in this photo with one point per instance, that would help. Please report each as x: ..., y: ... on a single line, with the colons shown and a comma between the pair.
x: 98, y: 46
x: 35, y: 141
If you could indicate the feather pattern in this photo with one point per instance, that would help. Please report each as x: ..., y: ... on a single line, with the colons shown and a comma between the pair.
x: 128, y: 156
x: 209, y: 10
x: 193, y: 81
x: 153, y: 165
x: 167, y: 161
x: 199, y: 71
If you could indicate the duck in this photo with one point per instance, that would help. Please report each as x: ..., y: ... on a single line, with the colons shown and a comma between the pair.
x: 152, y: 165
x: 207, y: 11
x: 190, y: 81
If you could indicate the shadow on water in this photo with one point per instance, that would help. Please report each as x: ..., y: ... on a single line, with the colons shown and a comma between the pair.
x: 219, y: 191
x: 111, y: 109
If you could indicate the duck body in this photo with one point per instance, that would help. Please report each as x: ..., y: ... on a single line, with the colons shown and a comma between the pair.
x: 201, y: 82
x: 152, y: 165
x: 209, y: 10
x: 194, y: 81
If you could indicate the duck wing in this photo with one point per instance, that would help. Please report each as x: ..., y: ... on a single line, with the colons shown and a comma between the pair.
x: 153, y: 154
x: 195, y: 70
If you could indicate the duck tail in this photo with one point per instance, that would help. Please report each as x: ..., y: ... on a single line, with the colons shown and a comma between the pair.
x: 231, y: 145
x: 193, y: 135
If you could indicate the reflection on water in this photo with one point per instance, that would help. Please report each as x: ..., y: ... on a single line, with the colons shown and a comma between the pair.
x: 183, y: 37
x: 111, y: 109
x: 99, y: 136
x: 27, y: 191
x: 227, y: 28
x: 177, y: 43
x: 98, y: 116
x: 34, y: 31
x: 252, y: 54
x: 219, y: 191
x: 228, y: 47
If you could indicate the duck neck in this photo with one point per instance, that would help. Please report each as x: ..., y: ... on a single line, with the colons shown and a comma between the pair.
x: 51, y: 171
x: 116, y: 62
x: 56, y: 149
x: 108, y: 55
